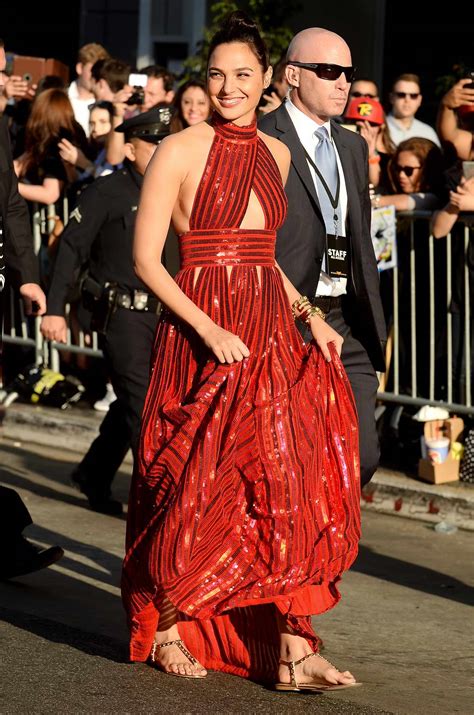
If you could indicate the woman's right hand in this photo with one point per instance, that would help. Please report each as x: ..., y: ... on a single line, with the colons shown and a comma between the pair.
x: 226, y: 346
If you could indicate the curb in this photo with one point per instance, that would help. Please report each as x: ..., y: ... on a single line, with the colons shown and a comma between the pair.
x: 389, y: 492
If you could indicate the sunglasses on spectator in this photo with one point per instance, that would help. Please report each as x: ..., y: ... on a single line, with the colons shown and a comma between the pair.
x: 326, y: 71
x: 404, y: 95
x: 407, y: 170
x: 357, y: 95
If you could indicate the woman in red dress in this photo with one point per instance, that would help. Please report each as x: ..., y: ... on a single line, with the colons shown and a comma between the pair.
x: 244, y: 506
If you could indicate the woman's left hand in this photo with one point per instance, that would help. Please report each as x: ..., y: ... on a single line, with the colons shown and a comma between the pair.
x: 323, y: 334
x: 68, y: 152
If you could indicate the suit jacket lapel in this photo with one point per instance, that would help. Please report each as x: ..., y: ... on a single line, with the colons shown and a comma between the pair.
x: 288, y: 136
x: 346, y: 158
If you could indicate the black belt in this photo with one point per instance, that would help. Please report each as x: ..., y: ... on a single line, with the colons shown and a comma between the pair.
x: 137, y: 300
x: 327, y: 303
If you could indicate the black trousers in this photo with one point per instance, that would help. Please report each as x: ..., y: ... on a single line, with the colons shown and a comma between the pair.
x: 364, y: 383
x: 127, y: 348
x: 14, y: 516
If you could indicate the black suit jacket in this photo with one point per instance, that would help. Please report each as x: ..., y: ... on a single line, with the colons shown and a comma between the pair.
x: 18, y: 241
x: 301, y: 240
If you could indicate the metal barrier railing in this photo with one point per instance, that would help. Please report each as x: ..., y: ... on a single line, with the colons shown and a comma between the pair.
x: 410, y: 393
x: 394, y: 388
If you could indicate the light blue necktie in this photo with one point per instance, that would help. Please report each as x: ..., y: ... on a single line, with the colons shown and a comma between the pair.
x: 326, y: 159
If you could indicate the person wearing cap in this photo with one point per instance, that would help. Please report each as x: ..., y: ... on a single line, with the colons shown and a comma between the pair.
x: 324, y: 246
x: 367, y: 115
x: 123, y: 311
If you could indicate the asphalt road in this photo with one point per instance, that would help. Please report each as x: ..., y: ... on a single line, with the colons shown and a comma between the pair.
x: 403, y: 625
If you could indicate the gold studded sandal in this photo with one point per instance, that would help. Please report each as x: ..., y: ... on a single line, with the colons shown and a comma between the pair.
x: 315, y: 686
x: 179, y: 643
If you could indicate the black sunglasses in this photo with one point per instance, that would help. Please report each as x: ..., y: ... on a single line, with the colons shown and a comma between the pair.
x: 407, y: 170
x: 326, y: 71
x: 363, y: 94
x: 404, y: 95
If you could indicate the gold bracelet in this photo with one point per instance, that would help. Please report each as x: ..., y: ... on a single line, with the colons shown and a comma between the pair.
x: 314, y: 310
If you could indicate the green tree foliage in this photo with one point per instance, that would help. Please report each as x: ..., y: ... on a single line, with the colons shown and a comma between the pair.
x: 270, y: 15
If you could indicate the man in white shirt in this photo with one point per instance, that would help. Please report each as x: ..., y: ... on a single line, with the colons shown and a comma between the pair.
x: 324, y: 246
x: 80, y: 91
x: 406, y: 99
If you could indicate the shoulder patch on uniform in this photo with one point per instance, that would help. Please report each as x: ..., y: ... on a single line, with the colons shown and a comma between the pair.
x: 76, y: 214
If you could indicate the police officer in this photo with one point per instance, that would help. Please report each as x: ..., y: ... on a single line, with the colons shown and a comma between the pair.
x: 124, y: 312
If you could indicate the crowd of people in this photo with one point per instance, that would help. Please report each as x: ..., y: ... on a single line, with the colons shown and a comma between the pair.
x: 244, y: 508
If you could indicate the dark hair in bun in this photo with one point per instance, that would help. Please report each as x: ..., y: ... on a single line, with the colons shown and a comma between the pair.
x: 239, y: 27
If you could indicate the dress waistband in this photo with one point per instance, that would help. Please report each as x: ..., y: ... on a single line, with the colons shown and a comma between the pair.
x: 227, y: 247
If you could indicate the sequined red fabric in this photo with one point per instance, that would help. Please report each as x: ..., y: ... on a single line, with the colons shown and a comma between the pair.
x: 245, y: 497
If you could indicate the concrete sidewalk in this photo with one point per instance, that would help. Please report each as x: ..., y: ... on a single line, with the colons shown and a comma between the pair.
x: 388, y: 493
x: 401, y: 626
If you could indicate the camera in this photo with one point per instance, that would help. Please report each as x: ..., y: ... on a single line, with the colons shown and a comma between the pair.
x: 138, y: 82
x: 137, y: 97
x: 471, y: 85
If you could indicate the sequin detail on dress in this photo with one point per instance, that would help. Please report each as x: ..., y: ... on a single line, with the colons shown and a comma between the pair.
x: 245, y: 497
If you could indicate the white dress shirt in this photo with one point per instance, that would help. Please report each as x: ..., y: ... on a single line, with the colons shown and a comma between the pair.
x: 306, y: 128
x: 80, y: 107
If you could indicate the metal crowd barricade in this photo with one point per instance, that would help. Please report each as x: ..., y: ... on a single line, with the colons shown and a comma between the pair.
x: 48, y: 353
x: 24, y: 331
x: 410, y: 394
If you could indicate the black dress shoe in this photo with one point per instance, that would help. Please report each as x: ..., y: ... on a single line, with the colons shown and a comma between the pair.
x: 105, y: 505
x: 27, y: 558
x: 98, y: 500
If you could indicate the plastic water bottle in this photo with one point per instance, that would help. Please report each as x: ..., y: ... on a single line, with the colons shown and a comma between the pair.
x: 444, y: 527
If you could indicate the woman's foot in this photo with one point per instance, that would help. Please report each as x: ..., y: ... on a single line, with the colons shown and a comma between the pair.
x: 315, y: 669
x: 171, y: 655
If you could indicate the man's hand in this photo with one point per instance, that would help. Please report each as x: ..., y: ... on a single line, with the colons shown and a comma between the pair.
x: 17, y: 88
x: 323, y: 334
x: 54, y: 327
x: 119, y: 102
x: 370, y: 135
x: 33, y: 298
x: 458, y: 95
x: 272, y: 101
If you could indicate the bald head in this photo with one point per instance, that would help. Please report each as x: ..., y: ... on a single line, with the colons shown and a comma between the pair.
x: 315, y: 44
x: 311, y: 90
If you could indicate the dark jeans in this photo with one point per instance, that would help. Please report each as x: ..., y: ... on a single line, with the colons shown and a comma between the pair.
x: 127, y: 349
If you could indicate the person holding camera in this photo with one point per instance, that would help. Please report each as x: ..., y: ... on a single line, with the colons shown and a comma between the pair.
x: 123, y: 311
x: 455, y: 121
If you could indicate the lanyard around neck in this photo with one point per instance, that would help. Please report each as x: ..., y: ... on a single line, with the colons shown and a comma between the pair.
x: 333, y: 199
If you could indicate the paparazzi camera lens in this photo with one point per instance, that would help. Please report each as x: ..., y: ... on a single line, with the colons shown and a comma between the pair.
x: 137, y: 97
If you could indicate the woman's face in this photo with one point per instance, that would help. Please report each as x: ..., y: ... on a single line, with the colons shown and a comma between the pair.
x: 99, y: 123
x: 195, y: 105
x: 235, y: 82
x: 408, y: 170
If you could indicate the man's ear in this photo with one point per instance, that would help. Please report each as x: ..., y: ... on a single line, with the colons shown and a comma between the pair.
x: 129, y: 151
x: 292, y: 75
x: 79, y: 68
x: 169, y: 96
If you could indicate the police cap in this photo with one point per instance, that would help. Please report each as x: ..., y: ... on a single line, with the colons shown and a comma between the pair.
x: 151, y: 126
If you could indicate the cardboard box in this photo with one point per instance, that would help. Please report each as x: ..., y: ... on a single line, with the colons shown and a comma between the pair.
x: 447, y: 471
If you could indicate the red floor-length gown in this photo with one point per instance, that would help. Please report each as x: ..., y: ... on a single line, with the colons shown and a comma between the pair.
x: 245, y: 496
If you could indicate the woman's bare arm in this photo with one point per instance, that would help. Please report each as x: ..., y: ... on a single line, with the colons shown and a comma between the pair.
x: 46, y: 193
x: 163, y: 180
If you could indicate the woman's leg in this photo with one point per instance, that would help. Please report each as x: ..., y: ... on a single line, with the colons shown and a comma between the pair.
x: 294, y: 647
x: 170, y: 658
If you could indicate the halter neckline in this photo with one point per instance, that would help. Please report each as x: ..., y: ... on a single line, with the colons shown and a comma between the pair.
x: 229, y: 130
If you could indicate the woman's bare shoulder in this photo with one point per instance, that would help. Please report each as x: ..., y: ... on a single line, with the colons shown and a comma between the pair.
x: 279, y: 150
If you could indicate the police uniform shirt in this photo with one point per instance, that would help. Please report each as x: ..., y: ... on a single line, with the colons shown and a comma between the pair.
x: 99, y: 232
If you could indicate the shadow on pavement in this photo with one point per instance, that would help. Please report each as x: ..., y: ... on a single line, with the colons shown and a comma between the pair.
x: 404, y: 573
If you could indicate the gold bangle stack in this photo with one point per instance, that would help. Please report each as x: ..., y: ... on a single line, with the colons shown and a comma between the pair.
x: 304, y: 310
